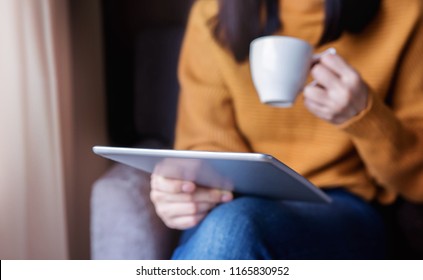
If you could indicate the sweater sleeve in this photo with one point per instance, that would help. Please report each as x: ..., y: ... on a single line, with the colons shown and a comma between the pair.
x: 206, y: 119
x: 390, y: 139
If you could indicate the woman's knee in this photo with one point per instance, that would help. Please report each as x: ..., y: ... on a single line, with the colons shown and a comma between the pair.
x: 230, y: 231
x: 225, y: 217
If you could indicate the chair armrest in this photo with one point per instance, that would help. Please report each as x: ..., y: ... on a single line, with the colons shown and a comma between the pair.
x: 124, y: 224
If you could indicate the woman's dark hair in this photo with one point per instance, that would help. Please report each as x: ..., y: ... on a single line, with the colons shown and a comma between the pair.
x: 238, y: 22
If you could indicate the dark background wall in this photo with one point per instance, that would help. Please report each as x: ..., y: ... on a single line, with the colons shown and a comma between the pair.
x: 123, y: 21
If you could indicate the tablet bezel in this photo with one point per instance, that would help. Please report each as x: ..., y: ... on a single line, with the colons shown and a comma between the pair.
x: 148, y: 160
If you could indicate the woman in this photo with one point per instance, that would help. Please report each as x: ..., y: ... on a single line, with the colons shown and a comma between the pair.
x: 358, y: 135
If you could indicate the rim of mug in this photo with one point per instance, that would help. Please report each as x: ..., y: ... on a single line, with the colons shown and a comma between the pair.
x: 282, y: 37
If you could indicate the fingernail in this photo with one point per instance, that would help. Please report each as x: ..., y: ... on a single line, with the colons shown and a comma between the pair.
x: 331, y: 51
x: 226, y: 196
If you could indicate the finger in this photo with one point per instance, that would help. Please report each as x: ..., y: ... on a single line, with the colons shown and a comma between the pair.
x: 316, y: 94
x: 177, y: 209
x: 185, y: 222
x: 159, y: 196
x: 324, y: 112
x: 336, y: 63
x: 200, y: 195
x: 325, y: 77
x: 339, y: 66
x: 171, y: 185
x: 316, y: 57
x: 212, y: 195
x: 318, y: 110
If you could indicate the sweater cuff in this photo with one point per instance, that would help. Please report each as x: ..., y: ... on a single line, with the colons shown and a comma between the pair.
x: 374, y: 118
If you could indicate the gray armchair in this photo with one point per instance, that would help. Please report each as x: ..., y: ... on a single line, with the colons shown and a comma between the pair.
x: 123, y: 221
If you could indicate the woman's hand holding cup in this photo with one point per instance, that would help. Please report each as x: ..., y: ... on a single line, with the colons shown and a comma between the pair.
x: 338, y: 92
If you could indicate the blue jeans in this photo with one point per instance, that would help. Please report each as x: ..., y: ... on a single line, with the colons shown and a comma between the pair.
x: 255, y: 228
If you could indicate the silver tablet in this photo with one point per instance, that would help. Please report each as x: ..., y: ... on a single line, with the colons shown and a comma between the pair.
x: 244, y: 173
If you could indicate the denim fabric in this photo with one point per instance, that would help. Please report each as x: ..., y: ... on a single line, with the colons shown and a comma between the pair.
x: 256, y: 228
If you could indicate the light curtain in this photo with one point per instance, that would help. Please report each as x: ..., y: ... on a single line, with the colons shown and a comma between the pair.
x: 35, y: 85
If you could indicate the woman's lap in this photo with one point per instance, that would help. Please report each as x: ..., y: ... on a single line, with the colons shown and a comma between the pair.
x: 254, y: 228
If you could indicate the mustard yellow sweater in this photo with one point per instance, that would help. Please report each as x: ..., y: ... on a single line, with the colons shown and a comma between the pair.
x: 377, y: 154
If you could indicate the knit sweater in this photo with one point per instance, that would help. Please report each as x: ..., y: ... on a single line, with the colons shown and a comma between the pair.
x: 378, y: 154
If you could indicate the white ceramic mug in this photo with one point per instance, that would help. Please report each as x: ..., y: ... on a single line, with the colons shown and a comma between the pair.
x: 279, y: 68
